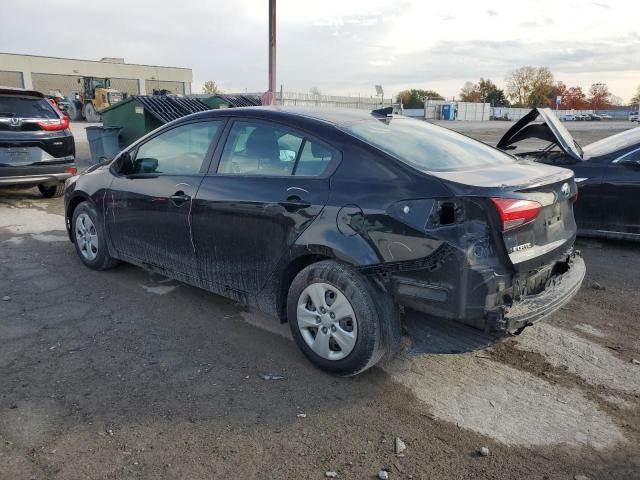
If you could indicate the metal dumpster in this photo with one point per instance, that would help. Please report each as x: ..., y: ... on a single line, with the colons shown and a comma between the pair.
x: 140, y: 114
x: 103, y: 143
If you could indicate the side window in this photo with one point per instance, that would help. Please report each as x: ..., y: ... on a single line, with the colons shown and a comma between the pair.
x: 179, y: 151
x: 254, y: 148
x: 633, y: 156
x: 314, y: 159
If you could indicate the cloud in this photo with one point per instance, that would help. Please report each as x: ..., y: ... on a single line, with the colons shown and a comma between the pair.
x: 342, y: 47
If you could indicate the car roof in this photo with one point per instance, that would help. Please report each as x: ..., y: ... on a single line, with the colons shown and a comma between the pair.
x: 20, y: 92
x: 337, y: 116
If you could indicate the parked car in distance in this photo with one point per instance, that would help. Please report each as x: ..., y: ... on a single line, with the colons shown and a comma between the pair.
x: 332, y: 219
x: 36, y: 145
x: 633, y: 116
x: 605, y: 116
x: 569, y: 118
x: 607, y: 172
x: 594, y: 116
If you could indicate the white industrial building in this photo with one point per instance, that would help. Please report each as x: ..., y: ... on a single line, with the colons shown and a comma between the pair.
x: 62, y: 74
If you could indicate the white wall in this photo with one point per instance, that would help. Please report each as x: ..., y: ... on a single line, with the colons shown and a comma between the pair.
x: 28, y: 64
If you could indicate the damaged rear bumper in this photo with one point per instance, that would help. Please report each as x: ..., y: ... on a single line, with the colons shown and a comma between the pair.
x: 532, y: 308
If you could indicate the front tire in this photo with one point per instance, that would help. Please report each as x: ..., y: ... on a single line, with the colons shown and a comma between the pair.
x: 339, y: 319
x: 50, y: 191
x: 90, y: 113
x: 89, y: 238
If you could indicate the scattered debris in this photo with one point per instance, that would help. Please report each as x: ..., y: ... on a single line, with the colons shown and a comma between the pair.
x: 331, y: 474
x: 492, y: 403
x: 400, y: 446
x: 383, y: 475
x: 580, y: 477
x: 484, y: 451
x: 302, y: 415
x: 110, y: 432
x: 6, y: 298
x: 635, y: 361
x: 271, y: 376
x: 597, y: 286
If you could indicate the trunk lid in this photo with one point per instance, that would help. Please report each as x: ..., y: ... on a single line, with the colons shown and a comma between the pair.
x: 542, y: 240
x: 551, y: 129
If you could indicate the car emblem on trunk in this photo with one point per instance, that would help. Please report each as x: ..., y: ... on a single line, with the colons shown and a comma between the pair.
x: 15, y: 122
x: 566, y: 190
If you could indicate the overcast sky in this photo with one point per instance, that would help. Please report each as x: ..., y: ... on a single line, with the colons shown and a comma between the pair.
x: 343, y: 46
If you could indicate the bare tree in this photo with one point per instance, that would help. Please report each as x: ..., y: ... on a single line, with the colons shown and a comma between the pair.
x: 315, y: 92
x: 210, y: 87
x: 470, y: 92
x: 529, y: 86
x: 636, y: 98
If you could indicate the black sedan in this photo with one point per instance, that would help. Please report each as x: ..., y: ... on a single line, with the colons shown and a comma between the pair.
x: 333, y: 219
x: 607, y: 172
x: 36, y: 145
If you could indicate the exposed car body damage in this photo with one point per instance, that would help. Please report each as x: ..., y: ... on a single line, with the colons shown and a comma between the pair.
x: 607, y: 172
x: 432, y: 241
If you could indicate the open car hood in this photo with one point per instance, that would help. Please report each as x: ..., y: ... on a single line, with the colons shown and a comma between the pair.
x: 551, y: 129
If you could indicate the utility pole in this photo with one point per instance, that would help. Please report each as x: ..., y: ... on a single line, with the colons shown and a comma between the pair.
x: 272, y: 50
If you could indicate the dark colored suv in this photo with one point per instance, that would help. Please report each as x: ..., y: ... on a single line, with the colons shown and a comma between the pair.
x: 332, y: 220
x: 36, y: 145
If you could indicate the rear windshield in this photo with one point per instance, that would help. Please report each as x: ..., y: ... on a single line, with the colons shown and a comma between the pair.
x: 425, y: 146
x: 25, y: 107
x: 613, y: 143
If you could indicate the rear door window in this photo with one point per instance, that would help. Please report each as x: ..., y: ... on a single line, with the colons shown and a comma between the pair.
x: 25, y: 107
x: 179, y: 151
x: 259, y: 148
x: 314, y: 159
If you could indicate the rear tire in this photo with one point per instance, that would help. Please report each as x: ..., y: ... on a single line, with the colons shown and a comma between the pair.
x: 89, y: 238
x: 50, y: 191
x: 322, y: 298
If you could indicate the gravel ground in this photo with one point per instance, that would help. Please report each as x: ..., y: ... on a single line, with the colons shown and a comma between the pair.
x: 126, y: 374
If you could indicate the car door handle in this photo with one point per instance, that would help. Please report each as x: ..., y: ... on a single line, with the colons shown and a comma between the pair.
x: 293, y: 203
x: 179, y: 197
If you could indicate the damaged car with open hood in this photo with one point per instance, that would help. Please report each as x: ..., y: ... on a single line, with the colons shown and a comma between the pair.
x: 607, y: 172
x: 332, y: 220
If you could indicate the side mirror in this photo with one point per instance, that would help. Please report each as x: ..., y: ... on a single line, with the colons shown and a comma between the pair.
x: 146, y: 165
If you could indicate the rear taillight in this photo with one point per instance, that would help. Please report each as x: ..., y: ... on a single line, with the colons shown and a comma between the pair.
x: 575, y: 197
x: 71, y: 170
x: 515, y: 212
x: 55, y: 123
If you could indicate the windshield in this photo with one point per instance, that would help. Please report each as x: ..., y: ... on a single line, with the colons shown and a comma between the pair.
x: 25, y: 107
x: 613, y: 143
x: 425, y: 146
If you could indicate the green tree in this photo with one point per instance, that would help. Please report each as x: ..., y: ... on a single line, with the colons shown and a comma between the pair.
x: 415, y: 97
x: 210, y: 87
